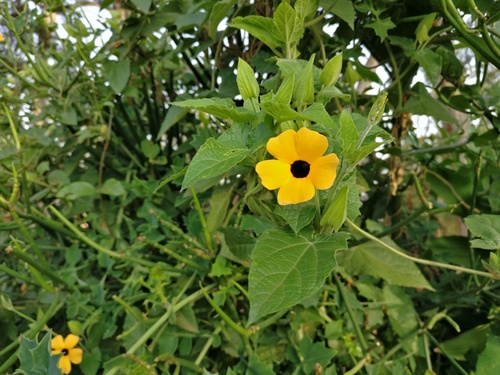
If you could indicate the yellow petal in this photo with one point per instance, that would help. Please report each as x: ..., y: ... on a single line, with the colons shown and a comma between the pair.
x: 65, y: 364
x: 310, y: 145
x: 282, y: 147
x: 323, y: 171
x: 71, y: 341
x: 75, y: 355
x: 297, y: 190
x: 273, y: 173
x: 57, y: 344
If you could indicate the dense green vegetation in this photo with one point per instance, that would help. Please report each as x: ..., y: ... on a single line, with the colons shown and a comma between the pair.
x: 133, y: 215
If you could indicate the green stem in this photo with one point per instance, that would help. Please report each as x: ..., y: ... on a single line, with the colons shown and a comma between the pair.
x: 173, y: 254
x: 418, y: 260
x: 207, y: 346
x: 206, y: 232
x: 359, y: 334
x: 224, y: 316
x: 82, y: 237
x: 450, y: 358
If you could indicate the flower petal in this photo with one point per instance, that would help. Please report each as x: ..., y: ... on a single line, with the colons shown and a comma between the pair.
x: 65, y: 364
x: 273, y: 173
x: 57, y: 344
x: 297, y: 190
x: 310, y: 145
x: 75, y: 355
x: 323, y: 171
x: 71, y: 340
x: 282, y: 147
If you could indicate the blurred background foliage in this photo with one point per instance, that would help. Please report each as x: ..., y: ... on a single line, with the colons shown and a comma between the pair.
x: 86, y: 126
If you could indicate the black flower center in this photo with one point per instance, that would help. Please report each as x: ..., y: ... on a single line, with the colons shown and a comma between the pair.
x: 65, y: 352
x: 300, y: 169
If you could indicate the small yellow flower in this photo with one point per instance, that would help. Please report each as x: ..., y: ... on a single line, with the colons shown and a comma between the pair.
x: 301, y: 167
x: 67, y: 347
x: 1, y: 38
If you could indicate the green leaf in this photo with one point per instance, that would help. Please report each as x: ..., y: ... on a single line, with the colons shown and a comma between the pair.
x: 68, y: 116
x: 220, y: 267
x: 223, y: 108
x: 117, y: 73
x: 344, y: 9
x: 76, y: 190
x: 298, y: 216
x: 349, y: 135
x: 247, y: 84
x: 237, y: 245
x: 331, y: 72
x: 281, y: 112
x: 303, y: 92
x: 381, y: 27
x: 260, y: 27
x: 113, y: 187
x: 106, y: 3
x: 219, y: 11
x: 287, y: 268
x: 288, y: 25
x: 173, y: 116
x: 212, y: 160
x: 306, y: 8
x: 487, y: 228
x: 219, y: 202
x: 422, y: 103
x: 472, y: 339
x: 374, y: 259
x: 285, y: 92
x: 142, y: 5
x: 400, y: 310
x: 431, y: 63
x: 422, y: 31
x: 318, y: 114
x: 36, y: 358
x: 337, y: 213
x: 488, y: 361
x: 314, y: 354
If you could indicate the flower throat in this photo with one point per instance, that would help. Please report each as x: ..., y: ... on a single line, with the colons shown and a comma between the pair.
x: 300, y: 169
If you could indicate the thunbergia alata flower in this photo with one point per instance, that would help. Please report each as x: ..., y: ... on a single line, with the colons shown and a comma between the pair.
x: 300, y: 167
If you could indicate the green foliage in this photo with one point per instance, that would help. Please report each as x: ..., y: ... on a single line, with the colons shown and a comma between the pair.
x: 133, y: 217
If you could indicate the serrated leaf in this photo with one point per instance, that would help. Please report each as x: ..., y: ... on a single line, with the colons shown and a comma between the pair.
x: 212, y: 159
x: 117, y: 73
x: 381, y: 27
x: 297, y: 216
x: 287, y: 268
x: 76, y: 190
x: 374, y: 259
x: 487, y: 228
x: 223, y: 108
x: 344, y: 9
x: 247, y: 84
x: 260, y: 27
x: 337, y: 213
x: 288, y: 26
x: 314, y: 354
x: 219, y: 11
x: 331, y: 72
x: 306, y: 8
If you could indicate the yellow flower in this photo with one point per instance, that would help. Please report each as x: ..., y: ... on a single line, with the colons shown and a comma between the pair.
x: 1, y: 38
x: 67, y: 347
x: 301, y: 167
